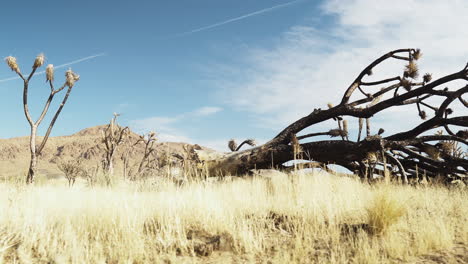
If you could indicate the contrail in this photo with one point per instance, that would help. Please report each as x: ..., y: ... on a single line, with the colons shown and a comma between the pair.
x: 235, y: 19
x: 79, y: 60
x: 59, y: 66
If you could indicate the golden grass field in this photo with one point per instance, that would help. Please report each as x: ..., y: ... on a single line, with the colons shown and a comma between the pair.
x: 299, y: 218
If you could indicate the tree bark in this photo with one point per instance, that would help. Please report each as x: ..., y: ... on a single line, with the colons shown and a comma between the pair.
x: 33, y: 163
x: 267, y: 156
x: 110, y: 168
x: 109, y: 163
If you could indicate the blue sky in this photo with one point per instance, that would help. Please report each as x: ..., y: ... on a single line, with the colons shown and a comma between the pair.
x: 207, y: 71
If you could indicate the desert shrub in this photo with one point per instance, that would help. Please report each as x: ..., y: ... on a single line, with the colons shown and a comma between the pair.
x: 90, y: 173
x: 95, y: 176
x: 71, y: 168
x: 106, y: 179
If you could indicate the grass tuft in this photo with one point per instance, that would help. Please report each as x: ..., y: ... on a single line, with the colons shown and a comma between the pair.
x: 383, y: 212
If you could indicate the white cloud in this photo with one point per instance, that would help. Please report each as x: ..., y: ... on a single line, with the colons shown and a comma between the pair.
x: 167, y: 130
x: 166, y: 127
x: 308, y: 67
x: 216, y: 144
x: 207, y: 110
x: 154, y: 123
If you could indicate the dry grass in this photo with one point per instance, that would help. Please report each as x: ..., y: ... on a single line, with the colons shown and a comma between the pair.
x: 297, y: 219
x: 384, y: 210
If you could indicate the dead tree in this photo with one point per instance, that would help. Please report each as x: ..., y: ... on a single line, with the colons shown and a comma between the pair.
x: 70, y: 79
x: 147, y: 161
x: 112, y: 136
x: 148, y: 140
x: 71, y: 168
x: 404, y: 153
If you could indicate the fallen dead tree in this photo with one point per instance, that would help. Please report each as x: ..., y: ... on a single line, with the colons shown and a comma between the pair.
x: 405, y: 154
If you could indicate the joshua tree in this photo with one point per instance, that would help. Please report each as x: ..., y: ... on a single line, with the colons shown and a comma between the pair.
x: 113, y: 136
x: 70, y: 79
x: 404, y: 153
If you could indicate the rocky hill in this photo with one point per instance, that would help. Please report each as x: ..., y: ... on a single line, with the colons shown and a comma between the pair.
x: 85, y: 144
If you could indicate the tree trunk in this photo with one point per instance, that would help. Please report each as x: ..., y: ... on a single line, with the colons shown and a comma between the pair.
x: 33, y: 163
x: 110, y: 165
x: 272, y: 155
x: 125, y: 167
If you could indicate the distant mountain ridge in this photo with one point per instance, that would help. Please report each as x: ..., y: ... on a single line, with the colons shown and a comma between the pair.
x: 85, y: 144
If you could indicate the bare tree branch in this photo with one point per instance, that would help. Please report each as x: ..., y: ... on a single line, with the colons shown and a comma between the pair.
x: 407, y: 150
